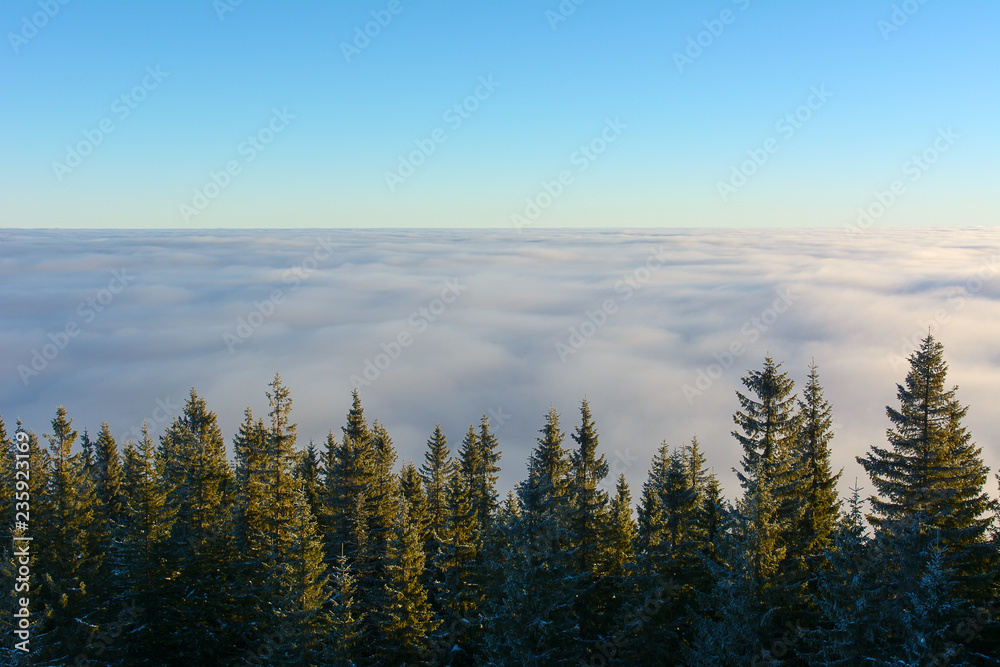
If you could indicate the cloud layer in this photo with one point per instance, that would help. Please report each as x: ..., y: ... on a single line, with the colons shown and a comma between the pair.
x: 654, y: 328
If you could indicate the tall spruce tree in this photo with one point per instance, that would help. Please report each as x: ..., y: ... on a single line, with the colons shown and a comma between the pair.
x: 348, y: 478
x: 201, y: 605
x: 435, y: 473
x: 538, y: 624
x: 477, y: 465
x: 932, y: 516
x: 822, y: 507
x: 481, y: 473
x: 346, y: 617
x: 64, y: 543
x: 588, y: 524
x: 406, y: 620
x: 671, y: 539
x: 108, y: 513
x: 307, y: 470
x: 773, y: 503
x: 146, y: 555
x: 932, y: 473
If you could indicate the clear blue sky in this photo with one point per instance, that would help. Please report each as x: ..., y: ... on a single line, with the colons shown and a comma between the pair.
x: 677, y: 132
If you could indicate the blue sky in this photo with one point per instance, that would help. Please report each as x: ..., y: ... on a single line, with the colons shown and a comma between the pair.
x: 330, y: 126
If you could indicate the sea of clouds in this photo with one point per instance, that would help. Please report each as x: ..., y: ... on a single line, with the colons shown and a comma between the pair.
x: 654, y: 327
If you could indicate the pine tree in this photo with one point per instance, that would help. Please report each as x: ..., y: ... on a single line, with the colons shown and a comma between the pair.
x: 64, y: 545
x: 481, y: 474
x: 108, y: 515
x: 435, y: 473
x: 346, y: 618
x: 774, y: 493
x: 307, y: 471
x: 478, y: 466
x: 813, y: 452
x: 146, y: 555
x: 588, y: 525
x: 845, y: 593
x: 411, y: 489
x: 200, y: 490
x: 617, y: 579
x: 458, y: 587
x: 108, y: 479
x: 672, y: 540
x: 300, y: 590
x: 933, y: 474
x: 348, y: 478
x: 537, y: 624
x: 407, y: 619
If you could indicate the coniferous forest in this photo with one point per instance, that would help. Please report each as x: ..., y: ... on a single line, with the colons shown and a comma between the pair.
x: 177, y: 550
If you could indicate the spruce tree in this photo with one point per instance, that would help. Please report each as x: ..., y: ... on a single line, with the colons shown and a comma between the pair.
x: 108, y: 513
x: 458, y: 587
x: 538, y: 621
x: 300, y: 590
x: 348, y: 479
x: 588, y: 522
x: 66, y: 560
x: 481, y: 473
x: 672, y: 540
x: 435, y: 473
x: 931, y: 516
x: 774, y: 495
x: 478, y: 466
x: 200, y: 491
x: 108, y: 479
x: 146, y: 555
x: 411, y: 489
x: 307, y: 470
x: 813, y: 452
x: 932, y: 473
x: 406, y: 620
x: 346, y: 617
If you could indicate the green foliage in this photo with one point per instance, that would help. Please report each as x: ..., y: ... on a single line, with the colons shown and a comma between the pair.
x: 163, y: 555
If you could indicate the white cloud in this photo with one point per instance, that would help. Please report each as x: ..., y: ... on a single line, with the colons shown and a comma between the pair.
x: 493, y: 347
